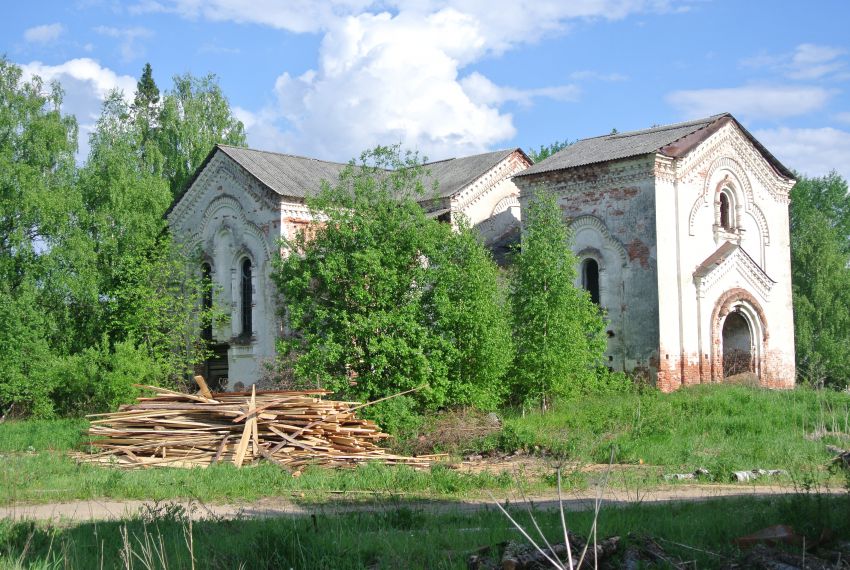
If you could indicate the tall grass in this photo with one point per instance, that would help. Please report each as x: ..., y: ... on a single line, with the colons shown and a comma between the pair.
x: 403, y: 538
x: 721, y: 428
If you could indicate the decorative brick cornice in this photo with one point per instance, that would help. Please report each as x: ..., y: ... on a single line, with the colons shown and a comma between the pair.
x: 590, y: 177
x: 581, y: 222
x: 202, y: 237
x: 730, y: 141
x: 737, y: 179
x: 504, y: 204
x: 665, y: 169
x: 510, y: 166
x: 221, y: 173
x: 738, y: 261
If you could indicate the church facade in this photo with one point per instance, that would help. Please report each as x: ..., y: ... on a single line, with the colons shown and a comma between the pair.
x: 241, y: 202
x: 681, y: 233
x: 682, y: 237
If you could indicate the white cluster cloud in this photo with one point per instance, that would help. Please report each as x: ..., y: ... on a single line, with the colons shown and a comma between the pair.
x: 393, y: 70
x: 44, y: 34
x: 814, y: 152
x: 751, y: 101
x: 86, y: 84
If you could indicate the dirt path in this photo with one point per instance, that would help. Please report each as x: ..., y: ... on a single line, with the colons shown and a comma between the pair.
x: 97, y: 510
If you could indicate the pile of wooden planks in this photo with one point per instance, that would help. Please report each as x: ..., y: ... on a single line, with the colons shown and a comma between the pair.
x: 289, y: 428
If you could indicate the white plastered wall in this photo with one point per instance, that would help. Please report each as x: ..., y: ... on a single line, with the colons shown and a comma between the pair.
x: 688, y: 209
x: 491, y: 203
x: 228, y: 217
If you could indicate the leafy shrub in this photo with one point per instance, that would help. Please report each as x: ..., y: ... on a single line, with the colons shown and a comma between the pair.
x: 383, y: 295
x: 100, y: 379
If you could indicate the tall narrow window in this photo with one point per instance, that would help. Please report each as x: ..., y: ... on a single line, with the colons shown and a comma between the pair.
x: 590, y: 278
x: 206, y: 301
x: 247, y: 298
x: 724, y: 211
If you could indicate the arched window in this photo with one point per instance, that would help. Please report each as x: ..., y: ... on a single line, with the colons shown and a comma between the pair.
x: 247, y: 298
x: 725, y: 218
x: 590, y: 278
x: 206, y: 300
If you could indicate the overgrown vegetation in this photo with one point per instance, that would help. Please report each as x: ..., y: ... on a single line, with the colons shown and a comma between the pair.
x: 94, y: 295
x: 399, y: 538
x: 719, y: 428
x: 820, y: 266
x: 385, y: 300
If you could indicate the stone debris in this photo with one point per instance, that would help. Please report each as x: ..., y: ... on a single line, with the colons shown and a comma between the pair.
x: 752, y: 475
x: 699, y: 472
x: 842, y: 456
x: 610, y: 553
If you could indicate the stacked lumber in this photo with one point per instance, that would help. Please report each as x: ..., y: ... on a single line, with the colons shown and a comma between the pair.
x: 289, y: 428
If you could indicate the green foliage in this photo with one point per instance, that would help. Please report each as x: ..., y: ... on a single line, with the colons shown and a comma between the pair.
x: 195, y: 116
x: 390, y: 299
x: 546, y: 151
x: 467, y: 311
x: 92, y: 289
x: 101, y: 377
x: 820, y: 265
x: 38, y: 260
x: 558, y: 331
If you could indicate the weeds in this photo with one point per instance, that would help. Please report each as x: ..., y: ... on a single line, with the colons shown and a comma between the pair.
x: 407, y: 538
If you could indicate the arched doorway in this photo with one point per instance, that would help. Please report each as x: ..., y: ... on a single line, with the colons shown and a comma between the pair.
x: 737, y: 345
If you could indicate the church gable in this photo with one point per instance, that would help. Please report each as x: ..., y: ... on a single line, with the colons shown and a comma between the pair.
x: 731, y: 262
x: 219, y: 175
x: 734, y: 148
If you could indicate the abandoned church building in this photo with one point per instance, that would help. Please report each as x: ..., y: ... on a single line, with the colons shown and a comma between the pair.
x: 241, y: 202
x: 681, y: 233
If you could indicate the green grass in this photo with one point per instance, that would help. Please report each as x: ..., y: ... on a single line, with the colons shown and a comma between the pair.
x: 401, y: 538
x: 42, y: 478
x: 721, y: 428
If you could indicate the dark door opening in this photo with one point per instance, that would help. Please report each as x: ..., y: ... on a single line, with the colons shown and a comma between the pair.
x: 217, y: 368
x: 737, y: 345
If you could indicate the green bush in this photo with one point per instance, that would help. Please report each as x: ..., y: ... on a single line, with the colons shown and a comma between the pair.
x: 386, y: 296
x: 100, y: 379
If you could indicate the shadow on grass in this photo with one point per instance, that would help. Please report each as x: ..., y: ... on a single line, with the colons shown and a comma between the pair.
x: 400, y: 535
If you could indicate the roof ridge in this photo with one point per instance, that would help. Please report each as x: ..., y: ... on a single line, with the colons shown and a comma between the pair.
x: 658, y: 129
x: 500, y: 151
x: 286, y: 154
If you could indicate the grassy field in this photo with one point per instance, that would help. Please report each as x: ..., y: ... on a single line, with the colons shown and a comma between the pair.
x: 402, y: 538
x: 720, y: 428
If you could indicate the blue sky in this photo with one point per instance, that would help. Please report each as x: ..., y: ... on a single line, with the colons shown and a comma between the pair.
x: 329, y: 79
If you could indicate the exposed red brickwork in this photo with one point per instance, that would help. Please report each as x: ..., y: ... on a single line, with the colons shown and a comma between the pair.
x: 775, y: 368
x: 676, y: 370
x: 638, y: 251
x: 721, y: 309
